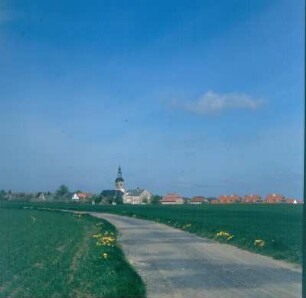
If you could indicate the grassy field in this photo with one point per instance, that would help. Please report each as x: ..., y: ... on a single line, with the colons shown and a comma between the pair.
x: 277, y: 228
x: 55, y: 254
x: 273, y: 230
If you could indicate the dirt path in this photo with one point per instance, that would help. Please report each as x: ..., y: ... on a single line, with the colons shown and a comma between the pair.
x: 174, y: 263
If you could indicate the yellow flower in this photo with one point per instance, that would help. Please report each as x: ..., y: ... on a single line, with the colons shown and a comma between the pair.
x: 259, y: 243
x: 224, y: 235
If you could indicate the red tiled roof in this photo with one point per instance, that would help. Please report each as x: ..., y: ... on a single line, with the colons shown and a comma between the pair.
x: 271, y: 198
x: 229, y: 198
x: 290, y: 201
x: 198, y: 199
x: 251, y: 198
x: 171, y: 197
x: 294, y: 201
x: 215, y: 201
x: 83, y: 195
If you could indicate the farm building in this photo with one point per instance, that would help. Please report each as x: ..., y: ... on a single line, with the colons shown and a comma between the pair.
x: 172, y: 199
x: 251, y: 199
x: 198, y: 200
x: 137, y: 196
x: 42, y: 197
x: 294, y: 201
x: 214, y: 201
x: 224, y: 199
x: 275, y: 199
x: 81, y: 196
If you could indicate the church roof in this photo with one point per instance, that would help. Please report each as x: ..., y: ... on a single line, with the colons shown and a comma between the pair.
x: 135, y: 192
x: 111, y: 193
x: 119, y: 179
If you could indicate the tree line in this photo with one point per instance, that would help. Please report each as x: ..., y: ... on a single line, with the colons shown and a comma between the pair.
x: 63, y: 194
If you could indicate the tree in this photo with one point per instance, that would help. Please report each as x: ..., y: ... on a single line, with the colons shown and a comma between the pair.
x: 111, y: 196
x: 2, y: 195
x: 62, y: 192
x: 156, y: 199
x: 118, y: 198
x: 96, y: 198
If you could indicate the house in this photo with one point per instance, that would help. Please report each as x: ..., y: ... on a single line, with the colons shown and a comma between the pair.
x: 294, y: 201
x: 42, y: 197
x: 172, y: 199
x: 21, y: 196
x: 198, y: 200
x: 137, y: 196
x: 229, y: 199
x: 81, y: 196
x: 247, y: 199
x: 214, y: 202
x: 275, y: 199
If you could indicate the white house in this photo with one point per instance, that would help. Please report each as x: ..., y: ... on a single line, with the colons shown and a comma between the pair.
x: 137, y: 196
x: 81, y: 196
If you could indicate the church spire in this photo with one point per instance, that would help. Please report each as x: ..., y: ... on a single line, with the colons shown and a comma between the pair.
x: 119, y: 172
x: 119, y: 182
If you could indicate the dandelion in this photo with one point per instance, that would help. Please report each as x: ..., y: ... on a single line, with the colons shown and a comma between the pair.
x: 106, y: 241
x: 104, y: 255
x: 224, y: 235
x: 97, y: 236
x: 77, y: 215
x: 259, y: 243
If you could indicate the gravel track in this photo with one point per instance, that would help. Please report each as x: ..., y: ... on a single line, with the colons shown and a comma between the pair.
x: 174, y: 263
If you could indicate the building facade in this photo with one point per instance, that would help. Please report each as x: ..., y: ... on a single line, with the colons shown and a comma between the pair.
x: 137, y: 196
x: 198, y: 200
x: 172, y: 199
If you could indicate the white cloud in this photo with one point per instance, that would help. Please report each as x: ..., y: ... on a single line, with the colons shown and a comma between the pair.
x: 212, y: 102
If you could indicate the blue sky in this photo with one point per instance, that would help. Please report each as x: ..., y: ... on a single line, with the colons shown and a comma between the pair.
x: 198, y: 97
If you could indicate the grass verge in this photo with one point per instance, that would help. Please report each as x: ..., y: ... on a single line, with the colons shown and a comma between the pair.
x: 62, y: 255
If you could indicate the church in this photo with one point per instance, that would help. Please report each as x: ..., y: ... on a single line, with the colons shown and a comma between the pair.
x: 114, y: 196
x: 121, y: 195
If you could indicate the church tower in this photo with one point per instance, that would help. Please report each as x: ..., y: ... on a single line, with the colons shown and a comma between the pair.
x: 119, y: 182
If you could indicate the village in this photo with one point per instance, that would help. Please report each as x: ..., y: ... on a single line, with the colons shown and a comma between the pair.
x: 141, y: 196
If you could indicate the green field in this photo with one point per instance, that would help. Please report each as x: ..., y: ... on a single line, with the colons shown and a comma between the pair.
x: 279, y: 226
x: 55, y: 254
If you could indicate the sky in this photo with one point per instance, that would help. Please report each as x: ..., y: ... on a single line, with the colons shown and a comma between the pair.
x: 196, y: 97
